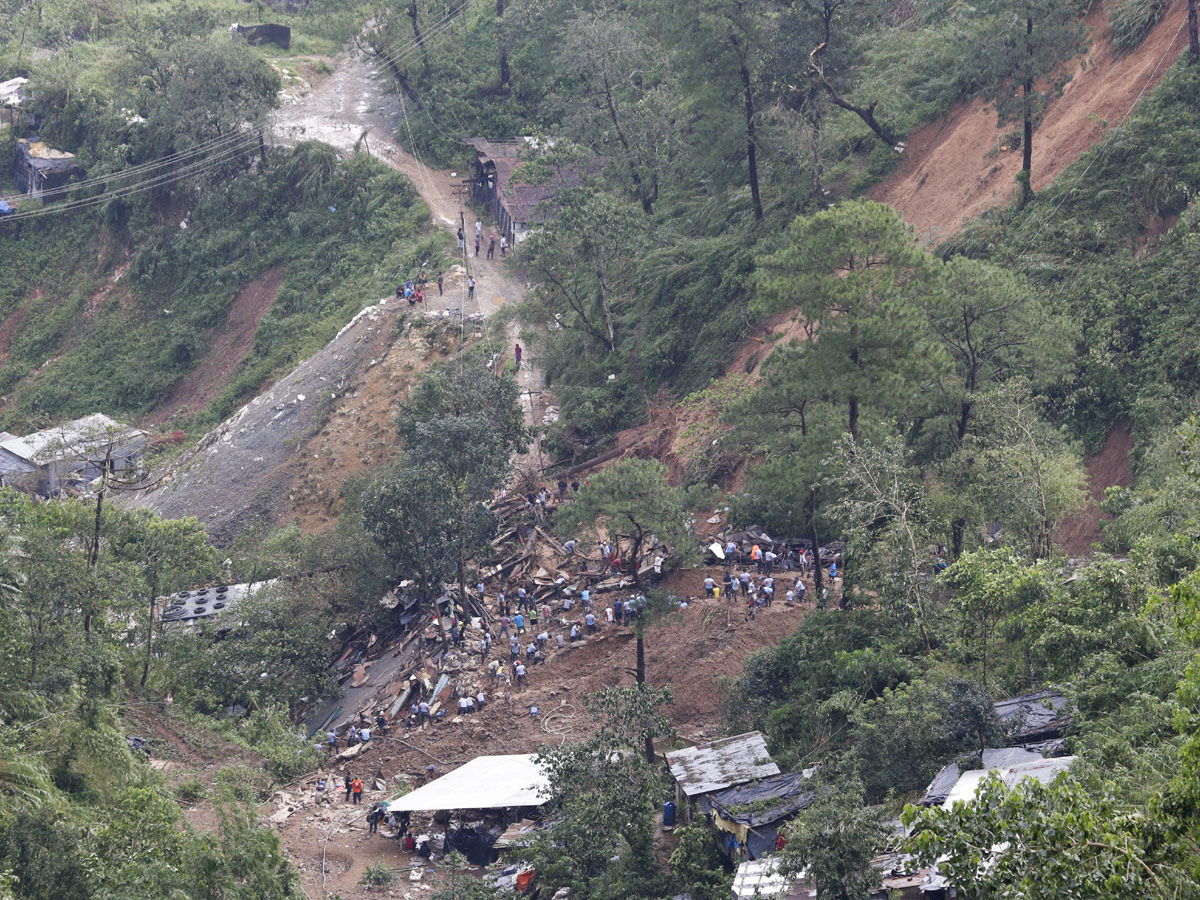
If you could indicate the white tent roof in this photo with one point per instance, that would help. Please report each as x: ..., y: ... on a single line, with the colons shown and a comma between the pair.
x: 486, y: 782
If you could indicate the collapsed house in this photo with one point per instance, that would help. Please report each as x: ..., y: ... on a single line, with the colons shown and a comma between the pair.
x: 202, y: 603
x: 1035, y: 721
x: 760, y: 879
x: 39, y: 167
x: 12, y: 96
x: 954, y: 784
x: 77, y: 452
x: 706, y: 769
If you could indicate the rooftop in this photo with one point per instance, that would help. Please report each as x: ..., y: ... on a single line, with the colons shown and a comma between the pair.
x: 71, y: 440
x: 486, y: 782
x: 720, y: 764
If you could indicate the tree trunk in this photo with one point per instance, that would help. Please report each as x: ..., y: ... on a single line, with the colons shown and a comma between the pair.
x: 420, y: 38
x: 262, y: 151
x: 816, y: 133
x: 818, y: 579
x: 867, y: 113
x: 149, y: 639
x: 643, y: 194
x: 1193, y: 34
x: 854, y: 419
x: 505, y: 74
x: 957, y: 529
x: 94, y: 558
x: 402, y: 80
x: 1026, y: 176
x: 641, y: 680
x: 751, y: 142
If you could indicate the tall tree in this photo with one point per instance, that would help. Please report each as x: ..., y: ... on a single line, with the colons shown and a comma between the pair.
x: 631, y: 502
x: 721, y: 45
x: 862, y: 288
x: 1024, y: 59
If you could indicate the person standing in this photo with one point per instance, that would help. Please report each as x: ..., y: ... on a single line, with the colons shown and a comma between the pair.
x: 470, y: 287
x: 478, y: 240
x: 520, y: 670
x: 503, y: 244
x: 349, y: 782
x: 517, y: 354
x: 491, y: 254
x: 460, y: 240
x: 358, y: 788
x: 478, y: 228
x: 441, y: 276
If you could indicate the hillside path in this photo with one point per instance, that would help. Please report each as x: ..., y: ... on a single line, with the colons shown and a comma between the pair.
x: 356, y: 107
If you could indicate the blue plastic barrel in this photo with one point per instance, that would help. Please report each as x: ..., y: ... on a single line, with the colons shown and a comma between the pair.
x: 669, y: 814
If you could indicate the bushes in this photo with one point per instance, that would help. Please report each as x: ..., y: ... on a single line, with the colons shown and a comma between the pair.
x: 1132, y: 20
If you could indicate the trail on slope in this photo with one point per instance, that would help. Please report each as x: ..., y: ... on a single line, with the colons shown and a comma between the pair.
x: 954, y: 170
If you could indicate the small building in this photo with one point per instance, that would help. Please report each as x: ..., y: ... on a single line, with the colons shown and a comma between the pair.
x: 748, y: 817
x: 954, y: 784
x: 39, y: 167
x: 77, y: 452
x: 256, y: 35
x: 515, y: 205
x: 1033, y: 719
x: 12, y: 95
x: 707, y: 768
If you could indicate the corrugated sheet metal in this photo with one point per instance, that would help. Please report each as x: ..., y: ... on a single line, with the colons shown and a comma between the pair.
x: 721, y: 764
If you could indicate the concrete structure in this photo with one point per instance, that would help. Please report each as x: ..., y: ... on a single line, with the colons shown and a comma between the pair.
x: 77, y: 452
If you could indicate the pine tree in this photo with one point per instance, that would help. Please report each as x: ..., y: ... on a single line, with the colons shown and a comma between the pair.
x: 1025, y: 58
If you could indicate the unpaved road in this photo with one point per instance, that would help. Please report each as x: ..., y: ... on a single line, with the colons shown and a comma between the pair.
x: 244, y: 470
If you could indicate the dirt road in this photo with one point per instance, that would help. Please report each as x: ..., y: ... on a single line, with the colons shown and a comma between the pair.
x: 357, y: 109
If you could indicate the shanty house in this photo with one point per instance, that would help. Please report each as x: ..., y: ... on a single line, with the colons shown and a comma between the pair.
x: 748, y: 816
x: 77, y: 451
x: 40, y: 168
x: 707, y: 768
x: 515, y: 205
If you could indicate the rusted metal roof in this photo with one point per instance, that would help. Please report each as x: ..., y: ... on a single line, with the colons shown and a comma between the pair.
x: 721, y: 764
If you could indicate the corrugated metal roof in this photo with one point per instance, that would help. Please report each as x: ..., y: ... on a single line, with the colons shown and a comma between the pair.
x: 758, y: 879
x: 486, y: 782
x: 1042, y: 770
x: 721, y: 764
x: 68, y: 441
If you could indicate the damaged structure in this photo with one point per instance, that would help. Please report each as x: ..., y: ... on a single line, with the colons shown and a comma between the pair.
x: 38, y: 167
x: 74, y: 453
x: 749, y: 816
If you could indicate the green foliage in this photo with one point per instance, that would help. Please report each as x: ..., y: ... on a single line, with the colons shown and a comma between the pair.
x: 606, y: 794
x: 833, y: 842
x: 630, y: 502
x: 696, y: 864
x: 1130, y: 21
x: 378, y: 874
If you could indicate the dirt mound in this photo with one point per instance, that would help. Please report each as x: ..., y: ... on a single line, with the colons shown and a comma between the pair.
x: 954, y: 170
x: 1076, y: 534
x: 230, y: 344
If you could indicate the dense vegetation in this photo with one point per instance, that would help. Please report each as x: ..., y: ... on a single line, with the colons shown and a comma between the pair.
x: 932, y: 407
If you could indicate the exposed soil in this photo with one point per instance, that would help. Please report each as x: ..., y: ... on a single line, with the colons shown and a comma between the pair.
x: 229, y: 344
x: 10, y: 325
x: 691, y: 650
x: 950, y: 173
x: 1078, y: 533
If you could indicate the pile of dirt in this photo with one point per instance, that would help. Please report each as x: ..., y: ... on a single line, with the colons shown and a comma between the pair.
x: 955, y: 169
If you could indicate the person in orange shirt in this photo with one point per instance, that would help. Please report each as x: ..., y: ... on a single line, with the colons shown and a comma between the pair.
x: 357, y: 787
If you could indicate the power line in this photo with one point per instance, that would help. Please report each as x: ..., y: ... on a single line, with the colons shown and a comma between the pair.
x: 219, y: 149
x: 1103, y: 145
